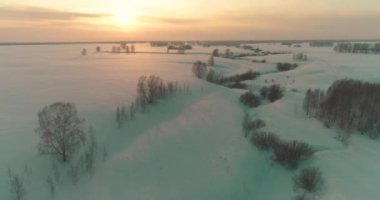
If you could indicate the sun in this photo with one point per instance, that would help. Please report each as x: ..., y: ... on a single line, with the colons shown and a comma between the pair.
x: 123, y: 17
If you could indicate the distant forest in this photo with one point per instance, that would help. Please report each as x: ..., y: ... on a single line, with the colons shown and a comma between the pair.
x: 357, y: 48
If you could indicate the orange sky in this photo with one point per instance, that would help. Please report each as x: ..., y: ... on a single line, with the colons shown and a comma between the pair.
x: 86, y: 20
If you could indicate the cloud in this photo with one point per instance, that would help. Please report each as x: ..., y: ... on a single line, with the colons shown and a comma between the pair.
x: 36, y: 13
x: 169, y: 20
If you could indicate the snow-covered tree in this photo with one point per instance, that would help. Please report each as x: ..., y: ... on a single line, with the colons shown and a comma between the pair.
x: 61, y: 130
x: 211, y: 61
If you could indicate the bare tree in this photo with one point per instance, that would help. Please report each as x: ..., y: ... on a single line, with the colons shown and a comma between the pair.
x: 133, y: 49
x: 60, y: 129
x: 211, y: 61
x: 118, y: 117
x: 73, y: 173
x: 17, y: 188
x: 199, y: 69
x: 51, y: 185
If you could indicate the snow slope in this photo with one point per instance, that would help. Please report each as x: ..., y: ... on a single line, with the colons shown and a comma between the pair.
x: 188, y: 147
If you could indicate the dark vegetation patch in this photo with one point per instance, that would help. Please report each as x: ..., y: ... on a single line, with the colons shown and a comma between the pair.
x: 250, y: 99
x: 308, y: 180
x: 272, y: 93
x: 286, y: 66
x: 351, y: 105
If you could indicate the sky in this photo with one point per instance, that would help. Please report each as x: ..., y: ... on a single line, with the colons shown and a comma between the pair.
x: 104, y: 20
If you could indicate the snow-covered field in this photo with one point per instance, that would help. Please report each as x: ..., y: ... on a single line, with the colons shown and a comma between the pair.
x: 188, y: 147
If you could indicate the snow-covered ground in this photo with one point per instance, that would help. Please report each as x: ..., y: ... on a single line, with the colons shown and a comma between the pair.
x: 190, y: 146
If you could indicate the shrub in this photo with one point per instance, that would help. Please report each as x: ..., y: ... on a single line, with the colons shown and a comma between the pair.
x: 249, y: 99
x: 238, y: 85
x: 299, y: 56
x: 264, y: 91
x: 303, y: 197
x: 286, y: 66
x: 309, y: 180
x: 259, y: 61
x: 251, y: 125
x: 256, y: 124
x: 199, y: 69
x: 17, y: 188
x: 211, y: 60
x: 290, y: 153
x: 213, y: 77
x: 265, y: 141
x: 249, y: 75
x: 275, y: 92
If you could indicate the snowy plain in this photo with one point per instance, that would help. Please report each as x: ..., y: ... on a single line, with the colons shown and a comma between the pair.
x: 187, y: 147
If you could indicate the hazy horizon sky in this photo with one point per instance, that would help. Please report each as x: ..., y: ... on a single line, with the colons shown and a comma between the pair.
x: 87, y: 20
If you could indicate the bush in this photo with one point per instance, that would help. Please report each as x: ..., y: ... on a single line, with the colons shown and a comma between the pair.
x: 251, y: 125
x: 265, y: 141
x: 237, y: 85
x: 303, y: 197
x: 264, y: 91
x: 275, y: 92
x: 290, y: 153
x: 259, y: 61
x: 309, y: 180
x: 249, y: 99
x: 17, y: 188
x: 213, y: 77
x: 249, y: 75
x: 256, y: 124
x: 286, y: 66
x: 199, y: 69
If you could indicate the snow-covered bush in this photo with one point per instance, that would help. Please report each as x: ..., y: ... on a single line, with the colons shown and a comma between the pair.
x: 264, y: 91
x: 304, y: 196
x: 250, y: 99
x: 249, y: 75
x: 265, y: 140
x: 308, y: 180
x: 275, y: 92
x: 237, y: 85
x: 50, y: 184
x: 199, y: 69
x: 17, y: 188
x: 211, y: 61
x: 300, y: 57
x: 215, y: 52
x: 213, y: 77
x: 250, y: 125
x: 73, y: 173
x: 290, y: 153
x: 286, y: 66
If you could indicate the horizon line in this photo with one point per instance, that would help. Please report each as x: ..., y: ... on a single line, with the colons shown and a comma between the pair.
x: 203, y: 40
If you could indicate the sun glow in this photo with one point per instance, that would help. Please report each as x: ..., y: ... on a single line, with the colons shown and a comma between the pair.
x: 123, y: 18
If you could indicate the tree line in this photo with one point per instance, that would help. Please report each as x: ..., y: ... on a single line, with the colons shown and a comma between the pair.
x: 351, y: 105
x: 150, y: 89
x: 357, y: 48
